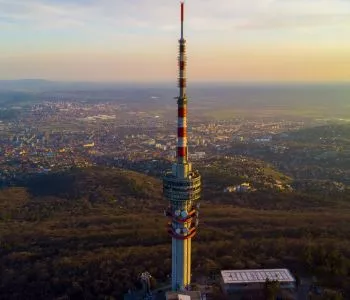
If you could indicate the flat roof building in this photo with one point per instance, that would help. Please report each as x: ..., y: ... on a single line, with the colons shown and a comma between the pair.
x: 244, y: 284
x: 184, y: 295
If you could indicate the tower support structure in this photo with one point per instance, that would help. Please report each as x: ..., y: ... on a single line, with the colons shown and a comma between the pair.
x: 182, y: 187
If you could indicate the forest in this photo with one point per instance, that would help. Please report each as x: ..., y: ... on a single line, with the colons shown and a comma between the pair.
x: 89, y: 233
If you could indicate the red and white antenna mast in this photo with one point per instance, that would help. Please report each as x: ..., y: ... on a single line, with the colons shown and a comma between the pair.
x: 182, y: 149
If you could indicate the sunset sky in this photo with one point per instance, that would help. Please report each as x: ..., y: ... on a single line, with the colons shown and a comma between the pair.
x: 136, y: 40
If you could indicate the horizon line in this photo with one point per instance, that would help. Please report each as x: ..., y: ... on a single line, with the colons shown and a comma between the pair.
x: 171, y: 82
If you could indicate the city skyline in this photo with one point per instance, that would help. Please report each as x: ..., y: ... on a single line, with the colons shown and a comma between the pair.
x: 266, y: 40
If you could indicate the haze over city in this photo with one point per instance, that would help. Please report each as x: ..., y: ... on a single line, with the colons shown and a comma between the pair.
x: 241, y: 40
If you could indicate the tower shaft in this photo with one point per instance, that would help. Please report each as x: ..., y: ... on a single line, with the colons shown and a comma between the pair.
x: 182, y: 186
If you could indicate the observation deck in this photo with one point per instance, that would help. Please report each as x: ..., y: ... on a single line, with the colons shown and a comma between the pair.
x: 182, y: 189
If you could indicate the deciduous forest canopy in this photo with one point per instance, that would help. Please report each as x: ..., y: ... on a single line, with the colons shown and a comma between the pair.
x: 89, y: 233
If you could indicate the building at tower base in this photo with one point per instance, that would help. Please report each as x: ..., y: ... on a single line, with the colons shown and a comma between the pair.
x: 187, y: 295
x: 251, y: 284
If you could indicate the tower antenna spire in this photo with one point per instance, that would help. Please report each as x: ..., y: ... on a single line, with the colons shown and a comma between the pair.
x: 182, y: 19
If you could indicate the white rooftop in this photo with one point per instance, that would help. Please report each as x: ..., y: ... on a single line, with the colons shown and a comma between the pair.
x: 191, y: 295
x: 251, y: 276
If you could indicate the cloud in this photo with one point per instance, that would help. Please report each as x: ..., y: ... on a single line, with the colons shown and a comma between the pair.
x: 153, y: 15
x: 98, y: 38
x: 38, y: 14
x: 271, y: 15
x: 295, y: 22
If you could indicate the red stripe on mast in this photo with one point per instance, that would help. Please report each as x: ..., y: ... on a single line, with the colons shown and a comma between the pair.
x: 181, y: 132
x: 181, y: 112
x: 181, y: 152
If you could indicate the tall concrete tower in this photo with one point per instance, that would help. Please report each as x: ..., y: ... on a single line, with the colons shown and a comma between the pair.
x: 182, y: 187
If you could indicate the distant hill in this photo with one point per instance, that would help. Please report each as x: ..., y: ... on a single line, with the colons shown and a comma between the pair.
x: 90, y: 182
x: 323, y: 134
x: 64, y: 191
x: 25, y: 85
x: 217, y: 100
x: 13, y: 98
x: 41, y: 85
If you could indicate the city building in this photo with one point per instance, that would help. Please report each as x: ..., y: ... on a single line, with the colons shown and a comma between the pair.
x: 242, y: 188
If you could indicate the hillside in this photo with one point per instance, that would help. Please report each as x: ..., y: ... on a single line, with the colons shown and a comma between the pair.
x: 87, y: 234
x: 318, y: 136
x: 44, y: 196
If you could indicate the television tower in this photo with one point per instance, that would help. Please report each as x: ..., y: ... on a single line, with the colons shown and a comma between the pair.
x: 182, y: 187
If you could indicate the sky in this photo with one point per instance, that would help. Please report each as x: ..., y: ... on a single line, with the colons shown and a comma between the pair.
x: 137, y: 40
